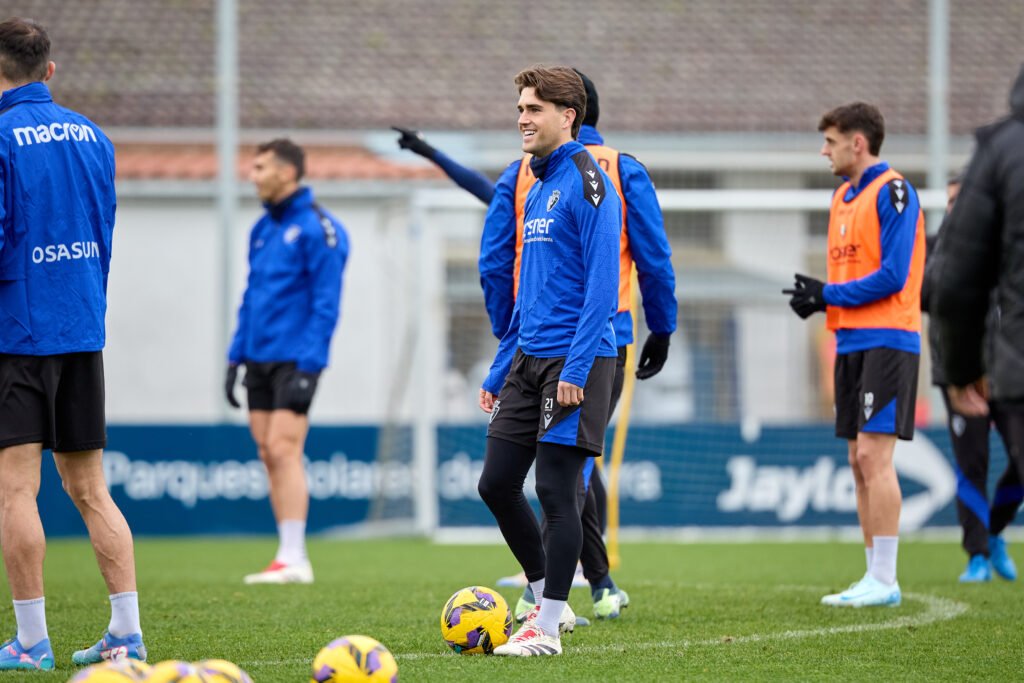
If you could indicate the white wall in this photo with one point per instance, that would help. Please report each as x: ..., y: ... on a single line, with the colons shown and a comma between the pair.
x: 165, y: 359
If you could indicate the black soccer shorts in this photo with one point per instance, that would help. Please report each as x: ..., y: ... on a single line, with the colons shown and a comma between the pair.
x: 58, y: 401
x: 267, y: 387
x: 527, y: 411
x: 876, y: 391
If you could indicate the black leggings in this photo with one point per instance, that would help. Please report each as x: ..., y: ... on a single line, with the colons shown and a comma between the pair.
x: 501, y: 488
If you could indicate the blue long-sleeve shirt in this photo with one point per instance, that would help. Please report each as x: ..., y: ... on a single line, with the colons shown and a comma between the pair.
x: 57, y: 206
x: 569, y: 274
x: 897, y: 233
x: 291, y: 305
x: 645, y: 230
x: 474, y: 182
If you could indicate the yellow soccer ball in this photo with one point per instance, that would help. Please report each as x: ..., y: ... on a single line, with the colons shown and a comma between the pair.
x: 222, y: 671
x: 354, y: 658
x: 124, y: 671
x: 476, y: 620
x: 173, y: 671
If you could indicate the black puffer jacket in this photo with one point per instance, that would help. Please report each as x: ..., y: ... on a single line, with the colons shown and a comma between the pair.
x: 982, y: 248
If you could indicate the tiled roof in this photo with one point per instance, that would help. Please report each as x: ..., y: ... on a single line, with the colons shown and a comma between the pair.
x: 199, y: 162
x: 660, y: 65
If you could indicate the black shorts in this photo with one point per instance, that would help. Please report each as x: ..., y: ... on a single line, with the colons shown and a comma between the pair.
x: 620, y: 378
x: 876, y: 391
x: 267, y: 387
x: 57, y: 401
x: 527, y: 410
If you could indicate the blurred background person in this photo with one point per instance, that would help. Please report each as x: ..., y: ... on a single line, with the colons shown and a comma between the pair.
x: 297, y: 253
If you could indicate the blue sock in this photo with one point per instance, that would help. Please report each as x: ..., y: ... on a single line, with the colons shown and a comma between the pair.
x: 604, y: 582
x: 528, y: 594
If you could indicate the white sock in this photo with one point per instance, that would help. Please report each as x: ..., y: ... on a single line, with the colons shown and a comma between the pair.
x: 868, y: 552
x: 124, y: 615
x: 550, y: 612
x: 31, y: 618
x: 883, y: 562
x: 538, y: 590
x: 292, y: 546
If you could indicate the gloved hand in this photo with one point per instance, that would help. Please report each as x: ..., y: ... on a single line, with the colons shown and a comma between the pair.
x: 229, y: 385
x: 414, y: 142
x: 653, y: 356
x: 807, y: 296
x: 301, y: 387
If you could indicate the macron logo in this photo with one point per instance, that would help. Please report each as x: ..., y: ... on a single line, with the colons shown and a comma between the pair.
x: 54, y: 132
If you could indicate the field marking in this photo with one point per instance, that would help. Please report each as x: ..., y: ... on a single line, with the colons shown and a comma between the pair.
x: 937, y: 609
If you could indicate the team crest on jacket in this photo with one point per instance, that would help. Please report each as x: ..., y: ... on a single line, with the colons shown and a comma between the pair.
x: 553, y: 199
x: 292, y: 234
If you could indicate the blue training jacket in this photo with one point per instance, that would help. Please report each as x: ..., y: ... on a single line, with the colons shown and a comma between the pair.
x: 297, y: 253
x: 569, y: 275
x: 645, y: 230
x: 57, y: 206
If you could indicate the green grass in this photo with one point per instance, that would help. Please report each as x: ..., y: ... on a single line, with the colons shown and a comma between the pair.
x: 700, y: 612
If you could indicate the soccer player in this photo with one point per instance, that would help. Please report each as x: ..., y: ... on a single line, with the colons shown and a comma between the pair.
x: 982, y: 524
x: 979, y: 254
x: 643, y: 241
x: 57, y: 206
x: 549, y: 388
x: 297, y: 252
x: 873, y: 303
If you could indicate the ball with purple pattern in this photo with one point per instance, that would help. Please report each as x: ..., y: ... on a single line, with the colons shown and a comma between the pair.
x: 354, y: 658
x: 475, y: 620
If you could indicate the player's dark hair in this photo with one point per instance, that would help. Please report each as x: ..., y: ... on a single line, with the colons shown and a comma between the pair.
x: 559, y: 85
x: 288, y: 152
x: 24, y: 50
x: 860, y: 117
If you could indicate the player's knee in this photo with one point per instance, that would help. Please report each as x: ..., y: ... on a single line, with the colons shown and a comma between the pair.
x: 280, y: 450
x: 14, y: 492
x: 84, y: 492
x: 492, y: 491
x: 556, y: 497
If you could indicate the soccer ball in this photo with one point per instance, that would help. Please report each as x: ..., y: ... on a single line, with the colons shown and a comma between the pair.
x: 222, y: 671
x: 124, y: 671
x: 354, y: 658
x: 476, y: 619
x: 172, y: 671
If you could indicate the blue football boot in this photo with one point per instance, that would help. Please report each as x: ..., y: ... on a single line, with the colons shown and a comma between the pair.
x: 112, y: 649
x: 39, y: 657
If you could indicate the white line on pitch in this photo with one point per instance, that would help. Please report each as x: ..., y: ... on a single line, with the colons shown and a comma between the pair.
x: 938, y: 609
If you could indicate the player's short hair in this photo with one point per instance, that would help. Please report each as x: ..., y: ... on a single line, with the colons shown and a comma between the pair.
x: 559, y: 85
x: 288, y: 152
x: 24, y: 50
x: 956, y: 178
x: 860, y: 117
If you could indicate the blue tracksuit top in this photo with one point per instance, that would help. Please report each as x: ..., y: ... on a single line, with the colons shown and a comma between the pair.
x: 569, y: 275
x: 57, y: 206
x: 645, y: 230
x: 898, y: 231
x: 291, y: 303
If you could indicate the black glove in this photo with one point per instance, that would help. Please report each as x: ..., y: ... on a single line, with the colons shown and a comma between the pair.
x: 414, y: 142
x: 301, y: 386
x: 229, y: 385
x: 807, y: 296
x: 654, y: 355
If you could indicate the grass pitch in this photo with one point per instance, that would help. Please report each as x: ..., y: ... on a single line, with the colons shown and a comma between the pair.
x: 699, y: 612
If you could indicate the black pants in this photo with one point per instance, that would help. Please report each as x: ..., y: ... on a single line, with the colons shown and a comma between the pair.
x: 592, y: 499
x: 554, y: 556
x: 969, y: 437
